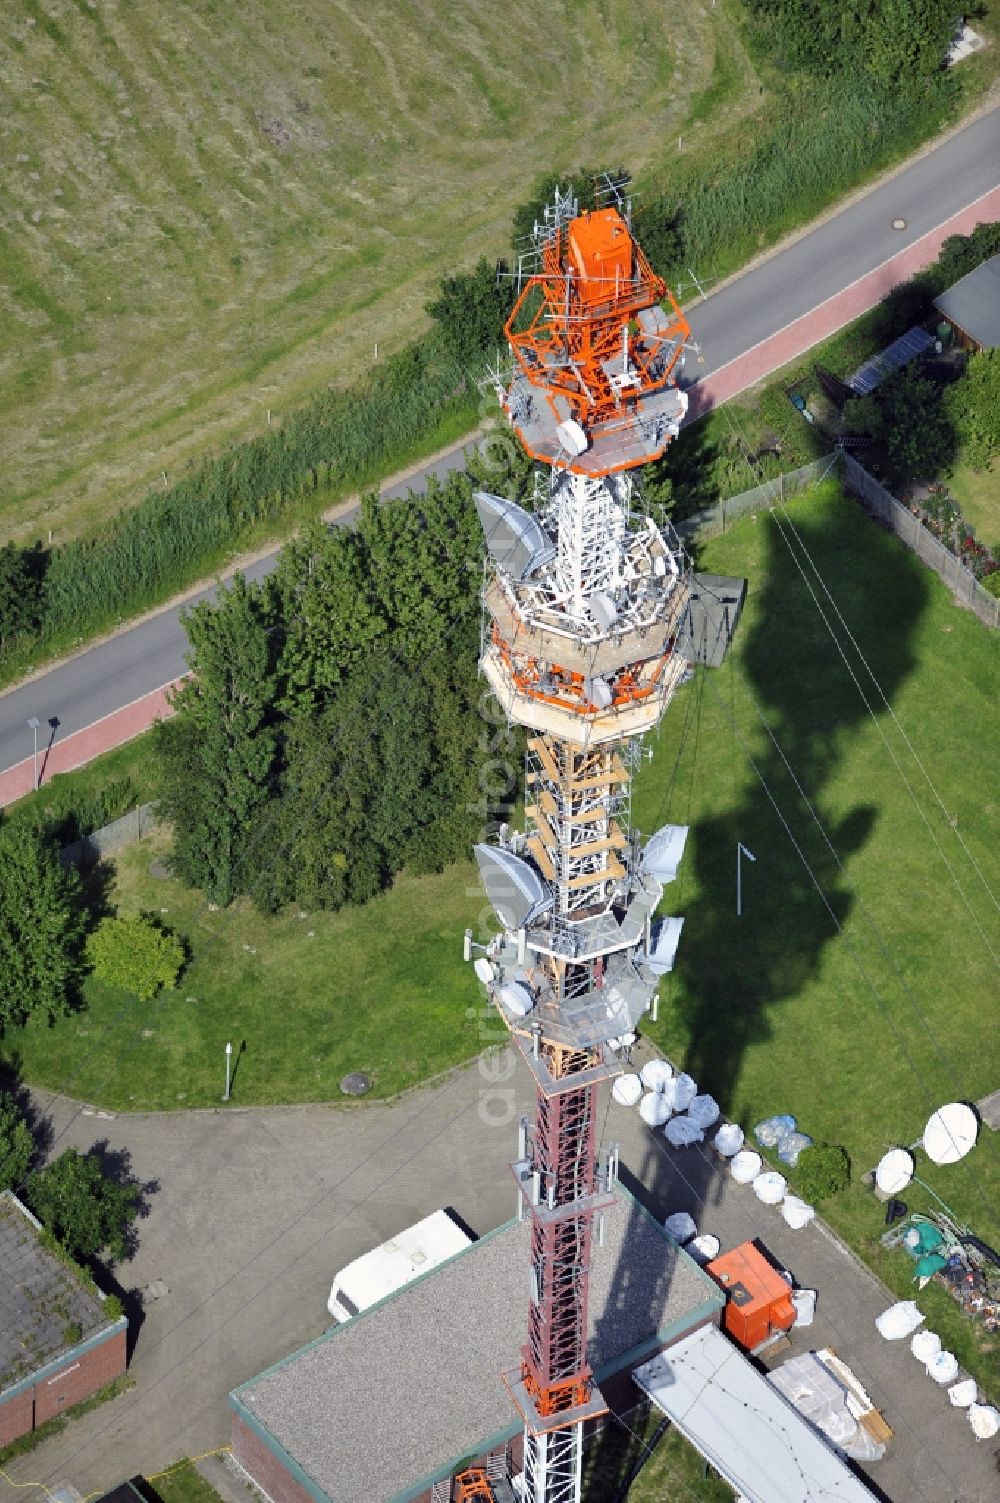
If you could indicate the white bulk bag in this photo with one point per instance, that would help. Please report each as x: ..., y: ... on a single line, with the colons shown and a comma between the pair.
x: 655, y: 1073
x: 769, y: 1187
x: 943, y: 1368
x: 704, y: 1110
x: 804, y: 1304
x: 964, y: 1393
x: 627, y: 1089
x: 797, y: 1213
x: 681, y: 1132
x: 681, y: 1226
x: 925, y: 1346
x: 901, y: 1319
x: 653, y: 1110
x: 746, y: 1166
x: 985, y: 1421
x: 704, y: 1248
x: 728, y: 1140
x: 680, y: 1091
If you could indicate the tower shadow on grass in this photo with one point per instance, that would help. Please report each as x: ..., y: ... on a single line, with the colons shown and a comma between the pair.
x: 732, y: 973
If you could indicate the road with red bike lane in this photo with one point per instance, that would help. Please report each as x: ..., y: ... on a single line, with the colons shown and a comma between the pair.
x: 749, y: 327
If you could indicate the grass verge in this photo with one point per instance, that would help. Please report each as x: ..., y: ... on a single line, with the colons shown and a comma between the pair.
x: 182, y: 1483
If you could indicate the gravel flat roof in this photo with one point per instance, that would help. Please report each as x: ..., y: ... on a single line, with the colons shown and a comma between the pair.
x: 397, y: 1395
x: 41, y: 1301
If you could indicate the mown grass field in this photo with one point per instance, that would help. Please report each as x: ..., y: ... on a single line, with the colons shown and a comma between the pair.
x: 978, y: 494
x: 211, y: 210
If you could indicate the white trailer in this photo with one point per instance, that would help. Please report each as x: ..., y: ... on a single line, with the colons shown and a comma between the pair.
x: 396, y: 1263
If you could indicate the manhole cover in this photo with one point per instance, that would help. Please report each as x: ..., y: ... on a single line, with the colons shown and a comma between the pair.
x: 899, y: 224
x: 355, y: 1084
x: 159, y: 869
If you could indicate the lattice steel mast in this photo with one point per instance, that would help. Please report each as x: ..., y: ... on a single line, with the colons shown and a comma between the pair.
x: 584, y: 606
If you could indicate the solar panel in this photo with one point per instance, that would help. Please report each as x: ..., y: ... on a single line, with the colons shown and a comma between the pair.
x: 871, y: 375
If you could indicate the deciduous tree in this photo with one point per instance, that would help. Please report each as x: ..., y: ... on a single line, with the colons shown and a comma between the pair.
x: 134, y: 952
x: 85, y: 1211
x: 220, y: 755
x: 41, y: 929
x: 16, y: 1144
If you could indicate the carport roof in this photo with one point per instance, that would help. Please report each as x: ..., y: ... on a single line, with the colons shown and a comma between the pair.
x: 385, y: 1405
x: 974, y: 304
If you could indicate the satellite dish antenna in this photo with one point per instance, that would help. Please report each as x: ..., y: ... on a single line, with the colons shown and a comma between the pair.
x: 950, y: 1133
x: 894, y: 1172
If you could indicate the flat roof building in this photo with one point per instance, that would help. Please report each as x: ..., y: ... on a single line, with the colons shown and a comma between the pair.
x: 57, y: 1342
x: 399, y: 1398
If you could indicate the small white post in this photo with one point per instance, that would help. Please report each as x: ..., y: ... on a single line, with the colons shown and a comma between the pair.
x: 741, y: 851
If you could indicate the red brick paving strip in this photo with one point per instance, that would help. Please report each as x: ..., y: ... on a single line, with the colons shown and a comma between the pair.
x: 760, y: 361
x: 82, y: 746
x: 840, y: 309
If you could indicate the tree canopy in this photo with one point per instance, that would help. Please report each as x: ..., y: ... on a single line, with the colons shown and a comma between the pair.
x: 360, y: 725
x: 893, y: 41
x: 16, y: 1144
x: 41, y: 929
x: 83, y: 1208
x: 134, y: 952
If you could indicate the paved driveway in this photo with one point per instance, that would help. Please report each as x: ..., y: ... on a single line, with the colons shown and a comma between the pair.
x: 256, y: 1209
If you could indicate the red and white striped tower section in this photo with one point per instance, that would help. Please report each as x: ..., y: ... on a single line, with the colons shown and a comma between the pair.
x: 585, y: 603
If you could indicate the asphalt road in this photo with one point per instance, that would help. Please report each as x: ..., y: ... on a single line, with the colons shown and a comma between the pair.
x: 727, y: 324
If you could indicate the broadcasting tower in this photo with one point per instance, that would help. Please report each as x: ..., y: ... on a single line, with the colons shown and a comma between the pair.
x: 585, y: 601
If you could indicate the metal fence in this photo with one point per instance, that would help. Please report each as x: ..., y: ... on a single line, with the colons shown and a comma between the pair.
x: 909, y: 529
x: 89, y: 849
x: 716, y: 519
x: 876, y: 500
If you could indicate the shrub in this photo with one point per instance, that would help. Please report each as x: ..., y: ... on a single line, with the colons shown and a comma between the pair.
x: 135, y: 953
x: 822, y: 1170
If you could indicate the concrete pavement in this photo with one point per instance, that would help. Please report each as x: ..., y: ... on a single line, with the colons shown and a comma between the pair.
x: 257, y: 1209
x: 749, y: 327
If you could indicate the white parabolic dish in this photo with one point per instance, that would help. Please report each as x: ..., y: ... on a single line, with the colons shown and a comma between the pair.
x: 894, y: 1172
x: 950, y: 1133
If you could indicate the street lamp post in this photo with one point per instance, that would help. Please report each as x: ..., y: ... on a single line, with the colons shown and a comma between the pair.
x: 741, y: 851
x: 34, y: 723
x: 229, y: 1055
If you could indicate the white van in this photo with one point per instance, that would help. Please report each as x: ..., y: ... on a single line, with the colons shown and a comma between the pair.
x: 395, y: 1264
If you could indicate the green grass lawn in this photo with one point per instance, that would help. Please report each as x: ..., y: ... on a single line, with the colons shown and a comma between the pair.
x: 182, y: 1483
x: 211, y: 211
x: 979, y: 497
x: 380, y: 989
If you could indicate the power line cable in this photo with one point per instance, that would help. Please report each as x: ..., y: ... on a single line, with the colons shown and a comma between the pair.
x: 905, y: 781
x: 895, y: 719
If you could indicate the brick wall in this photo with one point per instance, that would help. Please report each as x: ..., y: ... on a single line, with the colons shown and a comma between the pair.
x: 263, y: 1467
x: 16, y: 1416
x: 67, y: 1386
